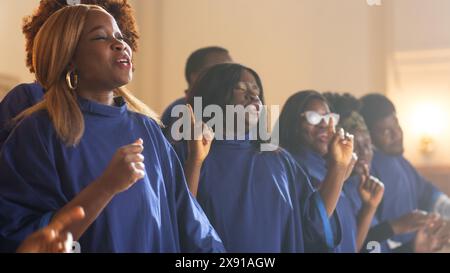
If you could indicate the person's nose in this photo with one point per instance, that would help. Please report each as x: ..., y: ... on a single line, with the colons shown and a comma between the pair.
x: 118, y: 45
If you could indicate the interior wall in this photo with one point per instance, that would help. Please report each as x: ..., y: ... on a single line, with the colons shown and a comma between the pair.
x: 418, y: 75
x: 12, y: 56
x: 293, y: 44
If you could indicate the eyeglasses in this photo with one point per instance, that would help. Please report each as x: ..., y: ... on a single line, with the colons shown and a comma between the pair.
x: 315, y: 118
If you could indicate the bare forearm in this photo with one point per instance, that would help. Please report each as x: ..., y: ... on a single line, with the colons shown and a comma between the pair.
x: 192, y: 170
x: 365, y: 217
x: 93, y: 199
x: 332, y: 186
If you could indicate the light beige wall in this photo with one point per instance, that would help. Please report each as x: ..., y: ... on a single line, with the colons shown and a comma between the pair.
x: 293, y: 44
x: 418, y: 75
x: 146, y: 81
x: 12, y: 47
x: 402, y: 46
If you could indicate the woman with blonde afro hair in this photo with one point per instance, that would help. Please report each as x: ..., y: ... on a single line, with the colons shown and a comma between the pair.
x: 83, y: 146
x: 26, y: 95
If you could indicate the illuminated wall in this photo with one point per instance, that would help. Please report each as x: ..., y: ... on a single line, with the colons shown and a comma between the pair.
x: 418, y: 62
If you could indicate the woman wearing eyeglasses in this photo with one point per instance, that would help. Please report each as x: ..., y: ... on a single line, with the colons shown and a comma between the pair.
x: 306, y: 128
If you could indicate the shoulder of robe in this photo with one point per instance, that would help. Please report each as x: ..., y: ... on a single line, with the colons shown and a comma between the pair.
x: 38, y: 123
x: 24, y: 91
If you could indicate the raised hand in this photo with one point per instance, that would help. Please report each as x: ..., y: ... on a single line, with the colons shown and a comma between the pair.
x: 198, y: 149
x: 201, y: 139
x: 55, y: 238
x: 341, y: 148
x: 433, y: 236
x: 410, y: 222
x: 126, y: 167
x: 371, y: 190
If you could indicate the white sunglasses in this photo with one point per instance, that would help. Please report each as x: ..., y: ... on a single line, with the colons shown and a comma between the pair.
x: 314, y: 118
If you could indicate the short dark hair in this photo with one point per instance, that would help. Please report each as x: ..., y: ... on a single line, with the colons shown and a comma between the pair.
x: 289, y: 120
x: 342, y: 104
x: 347, y: 106
x: 375, y: 107
x: 197, y: 60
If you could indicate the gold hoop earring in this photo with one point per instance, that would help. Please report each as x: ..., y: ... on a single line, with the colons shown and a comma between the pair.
x: 72, y: 86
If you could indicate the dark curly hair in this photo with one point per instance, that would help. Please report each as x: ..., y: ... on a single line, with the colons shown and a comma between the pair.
x: 120, y: 9
x: 375, y: 107
x: 343, y: 104
x: 347, y: 106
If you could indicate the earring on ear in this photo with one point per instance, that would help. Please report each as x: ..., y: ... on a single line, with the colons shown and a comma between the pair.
x: 69, y: 76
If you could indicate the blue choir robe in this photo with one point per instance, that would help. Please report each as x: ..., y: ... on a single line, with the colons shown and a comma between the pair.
x: 40, y: 174
x: 260, y: 201
x: 351, y: 191
x: 316, y: 168
x: 405, y: 189
x: 168, y: 120
x: 18, y: 99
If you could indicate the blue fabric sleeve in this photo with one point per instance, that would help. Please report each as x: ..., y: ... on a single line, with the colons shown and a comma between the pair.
x: 329, y: 238
x: 196, y: 232
x: 427, y: 193
x: 30, y: 190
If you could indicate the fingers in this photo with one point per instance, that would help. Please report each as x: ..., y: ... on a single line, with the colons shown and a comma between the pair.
x: 364, y: 176
x: 362, y: 183
x: 39, y: 241
x: 335, y: 136
x: 191, y: 114
x: 136, y: 147
x: 68, y: 242
x: 140, y: 166
x: 366, y: 170
x: 379, y: 190
x: 348, y: 139
x: 373, y: 184
x: 352, y: 164
x: 47, y: 234
x: 343, y: 137
x: 57, y: 246
x: 331, y: 128
x: 434, y: 223
x: 208, y: 133
x: 64, y: 220
x: 200, y: 129
x: 138, y: 170
x: 132, y: 153
x: 420, y: 218
x: 134, y: 158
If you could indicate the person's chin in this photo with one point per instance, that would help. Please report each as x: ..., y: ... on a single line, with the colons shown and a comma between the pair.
x: 396, y: 151
x: 122, y: 82
x: 358, y: 170
x: 322, y: 149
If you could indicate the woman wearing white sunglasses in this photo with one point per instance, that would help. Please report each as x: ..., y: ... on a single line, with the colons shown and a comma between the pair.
x: 307, y: 131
